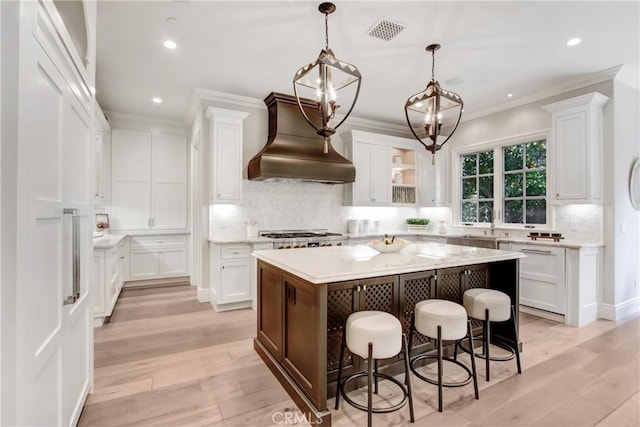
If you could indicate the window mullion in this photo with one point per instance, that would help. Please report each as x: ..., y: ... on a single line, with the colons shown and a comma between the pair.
x: 498, y: 185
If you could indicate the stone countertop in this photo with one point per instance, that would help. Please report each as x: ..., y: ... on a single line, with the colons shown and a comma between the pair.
x: 339, y: 263
x: 225, y: 240
x: 107, y: 240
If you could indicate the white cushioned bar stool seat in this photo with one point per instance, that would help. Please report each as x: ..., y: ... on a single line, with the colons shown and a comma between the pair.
x: 374, y: 335
x: 442, y: 320
x: 490, y: 305
x: 381, y: 329
x: 450, y: 316
x: 476, y: 301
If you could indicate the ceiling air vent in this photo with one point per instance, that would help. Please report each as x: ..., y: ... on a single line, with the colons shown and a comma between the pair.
x: 386, y: 30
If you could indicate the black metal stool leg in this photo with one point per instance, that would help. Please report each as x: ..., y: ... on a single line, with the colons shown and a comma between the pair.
x: 515, y: 335
x: 411, y: 328
x: 340, y: 363
x: 487, y: 342
x: 369, y: 390
x: 472, y: 353
x: 407, y: 380
x: 375, y: 377
x: 439, y: 368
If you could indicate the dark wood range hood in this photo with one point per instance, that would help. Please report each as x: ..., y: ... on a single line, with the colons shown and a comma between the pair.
x: 294, y: 151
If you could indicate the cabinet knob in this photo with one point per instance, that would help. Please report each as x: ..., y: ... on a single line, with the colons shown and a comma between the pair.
x: 235, y: 252
x: 218, y: 194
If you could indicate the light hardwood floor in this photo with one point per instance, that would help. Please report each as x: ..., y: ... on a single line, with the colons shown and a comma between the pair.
x: 167, y: 360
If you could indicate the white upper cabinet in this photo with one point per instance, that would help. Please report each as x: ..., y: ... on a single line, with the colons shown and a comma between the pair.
x: 372, y: 174
x: 225, y: 151
x: 434, y: 180
x: 576, y: 148
x: 148, y: 180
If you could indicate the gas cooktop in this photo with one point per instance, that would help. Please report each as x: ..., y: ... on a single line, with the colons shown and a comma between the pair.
x: 296, y: 234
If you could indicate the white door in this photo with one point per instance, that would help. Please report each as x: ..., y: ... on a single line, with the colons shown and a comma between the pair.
x: 173, y: 262
x: 380, y: 175
x: 54, y: 337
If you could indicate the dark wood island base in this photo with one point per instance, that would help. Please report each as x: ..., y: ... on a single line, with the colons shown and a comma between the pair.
x: 299, y: 326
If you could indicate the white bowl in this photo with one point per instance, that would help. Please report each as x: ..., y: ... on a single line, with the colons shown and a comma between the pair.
x: 397, y: 245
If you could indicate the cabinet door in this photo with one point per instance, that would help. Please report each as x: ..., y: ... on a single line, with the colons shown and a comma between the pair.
x: 427, y: 183
x: 449, y: 284
x: 270, y: 303
x: 415, y: 287
x: 173, y: 262
x: 342, y: 300
x: 373, y: 176
x: 98, y: 287
x: 301, y: 339
x: 144, y: 264
x: 225, y: 135
x: 443, y: 176
x: 234, y: 281
x: 169, y: 181
x: 542, y: 278
x: 570, y: 133
x: 130, y: 179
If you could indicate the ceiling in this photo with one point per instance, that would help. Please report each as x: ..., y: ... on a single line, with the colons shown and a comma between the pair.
x: 489, y: 49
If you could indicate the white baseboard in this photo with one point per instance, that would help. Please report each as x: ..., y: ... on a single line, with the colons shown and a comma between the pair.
x: 542, y: 313
x: 204, y: 295
x: 231, y: 305
x: 98, y: 322
x: 621, y: 311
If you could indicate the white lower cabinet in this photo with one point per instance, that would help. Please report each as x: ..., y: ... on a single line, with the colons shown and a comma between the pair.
x: 542, y: 277
x: 233, y: 275
x: 158, y: 256
x: 108, y: 278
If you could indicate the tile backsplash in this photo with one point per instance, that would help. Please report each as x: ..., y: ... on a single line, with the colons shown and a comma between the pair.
x: 303, y: 205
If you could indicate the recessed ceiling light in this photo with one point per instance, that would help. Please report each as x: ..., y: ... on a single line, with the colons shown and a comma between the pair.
x: 509, y: 95
x: 170, y: 44
x: 574, y: 41
x: 157, y: 100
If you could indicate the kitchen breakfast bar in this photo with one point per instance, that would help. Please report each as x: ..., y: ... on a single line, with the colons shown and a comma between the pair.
x: 306, y: 295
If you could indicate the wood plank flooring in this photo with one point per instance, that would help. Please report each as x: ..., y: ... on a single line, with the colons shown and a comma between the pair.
x: 167, y: 360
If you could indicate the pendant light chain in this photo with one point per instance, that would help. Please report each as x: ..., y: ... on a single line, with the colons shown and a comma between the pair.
x: 326, y: 31
x: 433, y: 65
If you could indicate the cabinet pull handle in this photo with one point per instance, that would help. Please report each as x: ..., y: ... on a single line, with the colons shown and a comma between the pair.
x: 535, y: 251
x: 235, y: 252
x: 364, y: 288
x: 294, y: 296
x: 75, y: 255
x: 358, y: 288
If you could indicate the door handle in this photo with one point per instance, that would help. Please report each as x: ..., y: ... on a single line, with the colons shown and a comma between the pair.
x: 75, y: 255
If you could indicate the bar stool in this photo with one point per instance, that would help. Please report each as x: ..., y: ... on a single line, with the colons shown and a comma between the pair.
x: 374, y: 335
x: 443, y: 320
x: 491, y: 306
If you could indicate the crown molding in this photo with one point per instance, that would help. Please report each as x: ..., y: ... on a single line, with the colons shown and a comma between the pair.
x: 628, y: 76
x: 595, y: 78
x: 375, y: 125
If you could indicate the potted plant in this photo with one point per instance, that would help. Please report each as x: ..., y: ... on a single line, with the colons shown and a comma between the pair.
x: 417, y: 224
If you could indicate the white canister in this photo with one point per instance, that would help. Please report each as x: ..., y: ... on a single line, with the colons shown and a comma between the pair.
x: 374, y: 226
x: 364, y: 226
x: 352, y: 226
x: 252, y: 230
x: 443, y: 227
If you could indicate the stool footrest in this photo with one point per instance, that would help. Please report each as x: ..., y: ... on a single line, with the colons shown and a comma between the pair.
x: 364, y: 407
x: 496, y: 343
x: 435, y: 382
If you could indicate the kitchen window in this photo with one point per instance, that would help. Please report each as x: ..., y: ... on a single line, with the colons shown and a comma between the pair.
x: 506, y: 184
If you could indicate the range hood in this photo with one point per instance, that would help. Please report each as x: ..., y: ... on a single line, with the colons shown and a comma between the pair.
x: 293, y: 150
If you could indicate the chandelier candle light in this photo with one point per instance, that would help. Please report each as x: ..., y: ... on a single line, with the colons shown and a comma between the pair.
x: 322, y: 79
x: 428, y: 110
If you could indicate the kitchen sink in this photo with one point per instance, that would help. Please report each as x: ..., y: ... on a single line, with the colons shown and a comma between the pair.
x: 489, y: 242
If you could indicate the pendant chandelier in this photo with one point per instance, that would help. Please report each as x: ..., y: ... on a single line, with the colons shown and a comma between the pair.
x: 429, y: 110
x: 321, y: 80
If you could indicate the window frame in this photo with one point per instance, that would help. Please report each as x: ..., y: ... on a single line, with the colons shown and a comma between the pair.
x: 497, y: 146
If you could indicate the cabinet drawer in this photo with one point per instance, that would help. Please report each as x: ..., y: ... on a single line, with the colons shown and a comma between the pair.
x: 236, y: 251
x: 158, y: 241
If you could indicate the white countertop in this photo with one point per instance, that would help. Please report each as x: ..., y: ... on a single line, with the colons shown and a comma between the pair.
x: 108, y: 240
x: 339, y: 263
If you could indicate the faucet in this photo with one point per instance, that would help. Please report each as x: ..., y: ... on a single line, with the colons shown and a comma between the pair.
x: 491, y: 216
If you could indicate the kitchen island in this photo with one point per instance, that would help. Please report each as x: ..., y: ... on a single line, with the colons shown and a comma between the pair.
x: 306, y: 295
